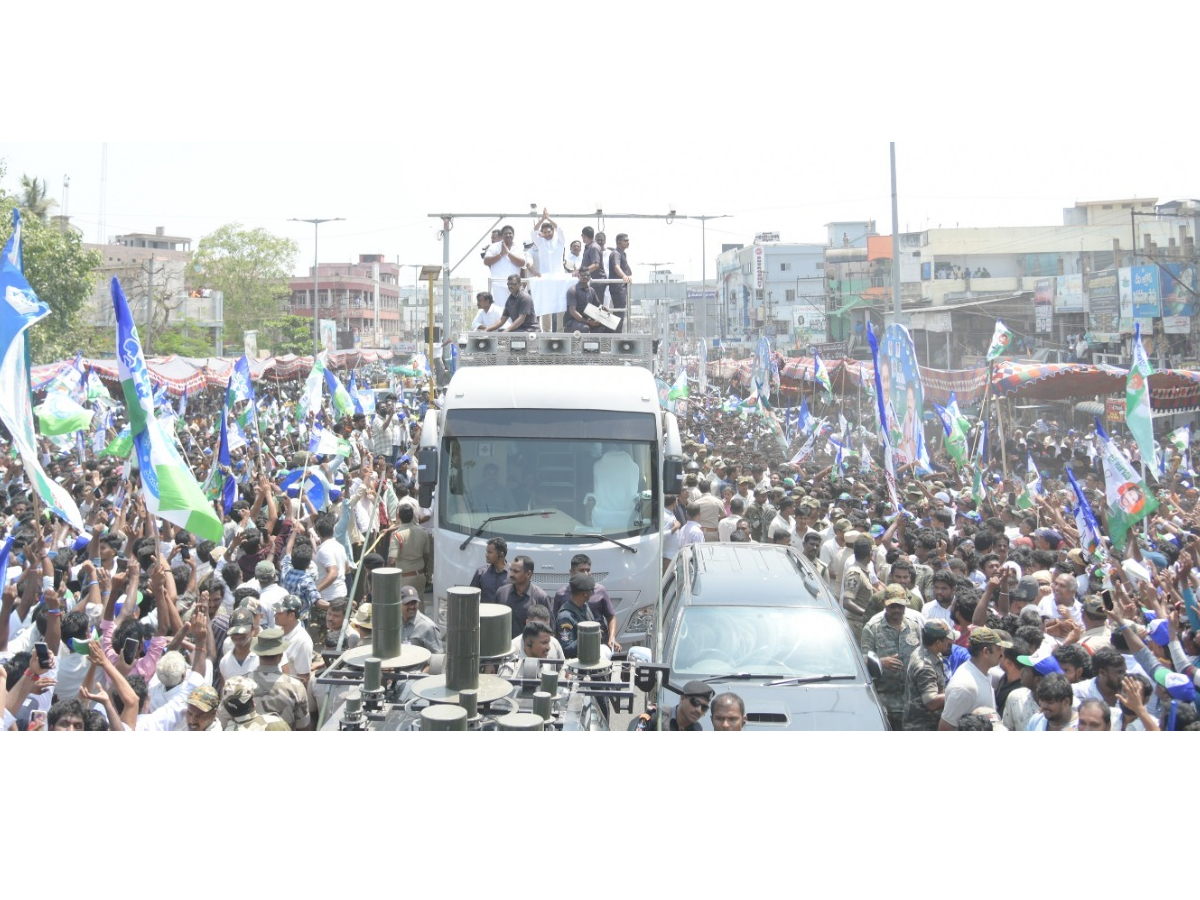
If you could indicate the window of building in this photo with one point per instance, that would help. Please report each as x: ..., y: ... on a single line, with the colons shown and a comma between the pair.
x: 785, y: 267
x: 789, y: 296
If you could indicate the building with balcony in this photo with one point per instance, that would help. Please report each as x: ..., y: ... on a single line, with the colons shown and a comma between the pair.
x: 153, y: 265
x: 361, y: 298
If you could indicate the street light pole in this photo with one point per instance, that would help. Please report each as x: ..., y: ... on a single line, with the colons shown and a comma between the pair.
x: 704, y: 264
x: 316, y: 224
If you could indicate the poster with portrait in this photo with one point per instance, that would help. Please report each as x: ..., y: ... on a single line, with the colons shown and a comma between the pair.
x: 903, y: 393
x: 328, y: 335
x: 250, y: 344
x: 1177, y: 286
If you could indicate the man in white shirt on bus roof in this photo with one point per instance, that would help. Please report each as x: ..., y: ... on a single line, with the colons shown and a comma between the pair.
x: 489, y: 312
x: 503, y: 259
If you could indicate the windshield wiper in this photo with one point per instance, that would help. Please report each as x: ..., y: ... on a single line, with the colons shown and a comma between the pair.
x: 490, y: 519
x: 595, y: 537
x: 812, y: 679
x: 737, y: 676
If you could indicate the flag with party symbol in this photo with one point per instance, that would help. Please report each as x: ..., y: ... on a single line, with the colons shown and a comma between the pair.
x: 1090, y: 536
x: 1138, y: 412
x: 956, y: 435
x: 1128, y: 499
x: 60, y: 414
x: 821, y: 374
x: 1001, y: 339
x: 20, y: 308
x: 679, y: 390
x: 168, y: 487
x: 120, y: 446
x: 341, y: 397
x: 889, y: 463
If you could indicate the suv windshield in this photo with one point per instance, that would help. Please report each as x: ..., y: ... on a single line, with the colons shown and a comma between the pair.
x: 774, y: 641
x: 584, y: 486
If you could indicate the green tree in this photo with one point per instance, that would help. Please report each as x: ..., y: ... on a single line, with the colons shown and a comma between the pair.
x: 34, y: 200
x: 252, y: 268
x: 184, y: 339
x: 61, y: 272
x: 288, y: 334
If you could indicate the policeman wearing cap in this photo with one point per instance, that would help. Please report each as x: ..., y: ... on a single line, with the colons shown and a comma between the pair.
x: 275, y: 691
x: 925, y: 677
x: 574, y: 611
x: 418, y: 629
x: 239, y: 711
x: 697, y: 697
x: 201, y: 710
x: 893, y: 637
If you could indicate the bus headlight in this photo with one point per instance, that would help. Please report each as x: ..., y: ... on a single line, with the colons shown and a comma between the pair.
x: 641, y: 620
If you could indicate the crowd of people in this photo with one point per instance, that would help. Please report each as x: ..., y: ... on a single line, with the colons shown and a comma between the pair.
x: 985, y: 614
x: 138, y: 625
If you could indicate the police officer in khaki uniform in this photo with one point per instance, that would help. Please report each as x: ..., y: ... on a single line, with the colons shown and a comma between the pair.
x: 274, y: 692
x: 239, y: 712
x: 856, y: 585
x: 411, y: 550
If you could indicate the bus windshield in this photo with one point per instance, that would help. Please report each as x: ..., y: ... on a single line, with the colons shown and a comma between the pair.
x: 586, y: 486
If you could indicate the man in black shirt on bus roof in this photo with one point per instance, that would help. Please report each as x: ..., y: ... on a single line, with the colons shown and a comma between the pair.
x: 518, y: 312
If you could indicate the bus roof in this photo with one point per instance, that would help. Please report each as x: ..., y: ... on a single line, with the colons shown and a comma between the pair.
x: 621, y: 388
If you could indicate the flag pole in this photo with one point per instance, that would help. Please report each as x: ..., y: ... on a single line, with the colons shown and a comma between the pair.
x: 1000, y: 428
x: 987, y: 392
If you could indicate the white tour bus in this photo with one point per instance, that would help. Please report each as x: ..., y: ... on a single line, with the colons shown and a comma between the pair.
x: 558, y: 457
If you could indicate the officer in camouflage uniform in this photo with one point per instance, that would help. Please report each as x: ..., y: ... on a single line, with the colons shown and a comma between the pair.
x: 893, y: 637
x: 274, y: 692
x: 876, y: 604
x: 925, y: 677
x: 754, y: 510
x: 856, y: 585
x: 237, y: 706
x: 769, y: 512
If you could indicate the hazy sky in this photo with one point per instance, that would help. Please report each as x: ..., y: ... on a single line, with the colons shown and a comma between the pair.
x: 779, y: 116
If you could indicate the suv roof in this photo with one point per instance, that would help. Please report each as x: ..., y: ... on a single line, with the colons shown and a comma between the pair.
x: 726, y: 574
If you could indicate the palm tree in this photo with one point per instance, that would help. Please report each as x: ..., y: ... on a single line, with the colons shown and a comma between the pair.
x: 34, y: 199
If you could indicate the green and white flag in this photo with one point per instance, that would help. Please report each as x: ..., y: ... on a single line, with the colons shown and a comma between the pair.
x: 310, y: 399
x: 679, y: 390
x: 1033, y: 486
x: 977, y: 492
x: 1125, y: 493
x: 1001, y: 340
x: 59, y: 414
x: 1181, y: 439
x: 120, y: 446
x: 1137, y: 401
x: 169, y: 489
x: 19, y: 309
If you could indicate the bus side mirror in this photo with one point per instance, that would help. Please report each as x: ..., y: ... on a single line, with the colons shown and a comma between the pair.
x: 427, y: 475
x: 673, y: 475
